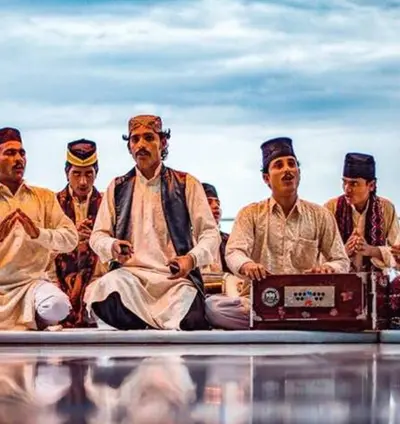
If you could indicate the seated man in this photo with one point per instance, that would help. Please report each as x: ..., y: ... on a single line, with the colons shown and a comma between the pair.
x: 32, y: 226
x: 233, y: 285
x: 215, y: 206
x: 280, y: 235
x: 146, y: 223
x: 80, y: 201
x: 367, y: 223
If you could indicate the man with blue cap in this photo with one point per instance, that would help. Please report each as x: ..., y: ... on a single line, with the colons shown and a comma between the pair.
x: 280, y: 235
x: 367, y: 223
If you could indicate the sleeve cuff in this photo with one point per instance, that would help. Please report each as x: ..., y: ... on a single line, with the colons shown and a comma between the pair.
x: 237, y: 264
x: 44, y: 238
x: 388, y: 260
x: 106, y: 253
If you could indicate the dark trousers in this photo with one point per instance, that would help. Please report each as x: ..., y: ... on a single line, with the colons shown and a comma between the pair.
x: 113, y: 312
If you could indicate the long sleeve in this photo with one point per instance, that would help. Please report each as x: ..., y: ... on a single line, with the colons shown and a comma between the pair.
x: 60, y: 234
x: 331, y: 244
x: 241, y: 241
x: 101, y: 239
x: 205, y: 229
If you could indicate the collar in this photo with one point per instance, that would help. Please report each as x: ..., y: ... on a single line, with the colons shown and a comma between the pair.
x: 24, y: 186
x: 353, y: 208
x: 154, y: 180
x: 274, y: 205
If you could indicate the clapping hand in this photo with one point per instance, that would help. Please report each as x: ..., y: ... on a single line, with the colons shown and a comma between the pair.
x: 10, y: 220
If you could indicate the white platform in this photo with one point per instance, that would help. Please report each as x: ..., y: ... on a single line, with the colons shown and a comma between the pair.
x: 144, y: 337
x: 390, y: 336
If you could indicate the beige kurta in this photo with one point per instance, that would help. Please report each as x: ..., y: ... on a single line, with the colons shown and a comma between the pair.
x: 143, y: 281
x: 391, y: 232
x: 23, y: 261
x: 285, y: 245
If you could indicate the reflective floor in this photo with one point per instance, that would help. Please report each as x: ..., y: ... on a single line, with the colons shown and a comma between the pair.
x: 200, y: 384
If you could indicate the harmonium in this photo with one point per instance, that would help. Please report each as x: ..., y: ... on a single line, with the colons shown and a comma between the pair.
x: 334, y: 302
x: 214, y: 282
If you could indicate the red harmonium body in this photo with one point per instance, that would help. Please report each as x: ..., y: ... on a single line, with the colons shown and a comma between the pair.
x: 335, y: 302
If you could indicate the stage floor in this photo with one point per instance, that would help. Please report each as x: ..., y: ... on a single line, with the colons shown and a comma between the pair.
x: 193, y: 383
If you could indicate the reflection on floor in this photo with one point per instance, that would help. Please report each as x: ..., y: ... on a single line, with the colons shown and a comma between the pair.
x: 200, y: 384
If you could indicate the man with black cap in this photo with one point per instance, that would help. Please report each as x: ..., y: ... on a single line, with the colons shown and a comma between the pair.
x: 32, y: 226
x: 80, y: 201
x: 145, y: 227
x: 215, y: 206
x: 280, y: 235
x: 367, y: 223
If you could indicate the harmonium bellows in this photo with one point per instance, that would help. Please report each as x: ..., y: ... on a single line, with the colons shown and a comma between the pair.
x: 334, y: 302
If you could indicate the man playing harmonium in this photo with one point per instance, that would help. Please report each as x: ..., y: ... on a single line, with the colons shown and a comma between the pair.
x: 32, y: 226
x: 280, y: 235
x: 367, y: 223
x: 146, y: 224
x: 80, y: 200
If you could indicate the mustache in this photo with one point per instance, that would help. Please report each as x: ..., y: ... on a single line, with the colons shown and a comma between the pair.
x: 287, y: 176
x: 18, y: 165
x: 142, y: 151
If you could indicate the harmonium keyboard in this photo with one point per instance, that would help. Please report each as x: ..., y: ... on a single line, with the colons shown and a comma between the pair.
x: 334, y: 302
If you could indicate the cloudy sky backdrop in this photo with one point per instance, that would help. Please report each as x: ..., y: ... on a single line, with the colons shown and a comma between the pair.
x: 225, y: 75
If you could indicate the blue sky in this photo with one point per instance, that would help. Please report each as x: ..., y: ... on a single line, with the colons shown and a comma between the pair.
x: 224, y: 75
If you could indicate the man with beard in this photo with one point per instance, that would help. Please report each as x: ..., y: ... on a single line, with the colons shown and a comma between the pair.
x: 146, y: 225
x: 32, y: 225
x: 281, y: 235
x: 367, y: 223
x: 80, y: 201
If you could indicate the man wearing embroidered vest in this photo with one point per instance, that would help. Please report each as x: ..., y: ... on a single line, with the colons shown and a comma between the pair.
x: 32, y: 226
x: 367, y: 223
x: 145, y: 226
x: 80, y: 201
x: 280, y: 235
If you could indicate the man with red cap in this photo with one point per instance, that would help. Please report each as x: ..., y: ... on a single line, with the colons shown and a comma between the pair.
x: 32, y: 226
x: 281, y: 235
x: 156, y: 229
x: 80, y: 200
x: 367, y: 223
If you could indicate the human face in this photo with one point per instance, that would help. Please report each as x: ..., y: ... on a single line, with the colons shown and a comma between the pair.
x: 357, y: 190
x: 145, y: 146
x: 215, y: 207
x: 283, y: 176
x: 81, y: 180
x: 12, y: 162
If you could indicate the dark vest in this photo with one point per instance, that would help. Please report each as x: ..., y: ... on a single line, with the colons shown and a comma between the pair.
x: 176, y: 213
x: 222, y: 248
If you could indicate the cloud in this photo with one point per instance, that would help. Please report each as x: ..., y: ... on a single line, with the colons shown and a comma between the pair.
x: 224, y: 75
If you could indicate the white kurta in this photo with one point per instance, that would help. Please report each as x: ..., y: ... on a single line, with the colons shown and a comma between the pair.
x: 143, y: 281
x: 23, y: 261
x: 285, y: 245
x: 282, y: 244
